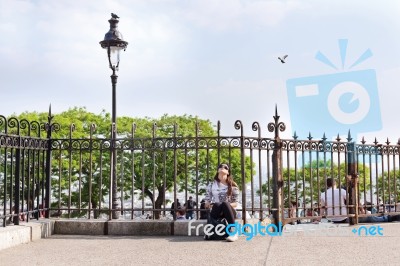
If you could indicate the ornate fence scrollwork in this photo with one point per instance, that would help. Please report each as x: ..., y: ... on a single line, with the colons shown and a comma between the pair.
x: 166, y: 165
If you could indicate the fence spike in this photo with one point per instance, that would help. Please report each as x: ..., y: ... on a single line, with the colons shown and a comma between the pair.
x: 324, y: 137
x: 92, y: 129
x: 50, y: 110
x: 133, y: 127
x: 349, y: 138
x: 276, y: 116
x: 175, y: 129
x: 363, y: 140
x: 197, y: 127
x: 154, y: 129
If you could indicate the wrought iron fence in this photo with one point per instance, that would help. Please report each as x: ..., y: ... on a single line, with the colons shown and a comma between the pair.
x: 23, y: 156
x: 154, y: 172
x: 282, y: 178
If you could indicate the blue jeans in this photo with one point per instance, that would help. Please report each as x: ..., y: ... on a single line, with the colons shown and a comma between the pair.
x: 189, y: 215
x: 373, y: 219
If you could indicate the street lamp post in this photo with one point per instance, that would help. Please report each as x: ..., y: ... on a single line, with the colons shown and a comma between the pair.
x: 114, y: 43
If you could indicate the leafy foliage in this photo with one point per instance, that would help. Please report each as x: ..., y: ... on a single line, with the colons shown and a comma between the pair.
x: 306, y: 183
x: 149, y: 159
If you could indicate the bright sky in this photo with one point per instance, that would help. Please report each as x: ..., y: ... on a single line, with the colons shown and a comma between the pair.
x: 213, y: 58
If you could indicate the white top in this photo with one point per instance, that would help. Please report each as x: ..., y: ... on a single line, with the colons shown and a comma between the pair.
x: 217, y: 192
x: 335, y: 205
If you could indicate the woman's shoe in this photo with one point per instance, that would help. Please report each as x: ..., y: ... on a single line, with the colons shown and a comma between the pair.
x: 232, y: 238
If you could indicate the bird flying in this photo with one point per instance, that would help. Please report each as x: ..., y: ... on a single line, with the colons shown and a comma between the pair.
x: 283, y: 59
x: 114, y: 15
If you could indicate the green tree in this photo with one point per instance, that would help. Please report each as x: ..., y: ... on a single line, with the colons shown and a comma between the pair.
x: 147, y: 166
x: 307, y: 182
x: 75, y: 179
x: 387, y: 186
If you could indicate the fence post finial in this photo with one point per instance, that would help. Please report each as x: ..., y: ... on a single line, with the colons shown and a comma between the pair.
x: 349, y: 138
x: 277, y: 175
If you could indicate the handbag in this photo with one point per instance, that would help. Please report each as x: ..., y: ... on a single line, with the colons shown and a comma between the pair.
x: 213, y: 235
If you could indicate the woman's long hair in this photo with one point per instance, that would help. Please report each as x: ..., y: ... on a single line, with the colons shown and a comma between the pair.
x: 229, y: 179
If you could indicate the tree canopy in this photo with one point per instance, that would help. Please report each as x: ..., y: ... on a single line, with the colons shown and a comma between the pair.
x: 306, y: 183
x: 152, y: 155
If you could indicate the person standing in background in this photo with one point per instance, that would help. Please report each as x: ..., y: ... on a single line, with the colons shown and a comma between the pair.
x: 189, y: 205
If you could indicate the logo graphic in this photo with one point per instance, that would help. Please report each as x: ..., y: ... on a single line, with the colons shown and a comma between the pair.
x: 335, y: 103
x: 272, y: 230
x: 368, y: 231
x: 249, y: 230
x: 329, y: 229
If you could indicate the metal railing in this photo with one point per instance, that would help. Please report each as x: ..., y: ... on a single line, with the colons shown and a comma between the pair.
x: 283, y: 178
x: 23, y: 158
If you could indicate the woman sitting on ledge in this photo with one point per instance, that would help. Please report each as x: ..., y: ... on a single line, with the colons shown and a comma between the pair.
x: 223, y: 194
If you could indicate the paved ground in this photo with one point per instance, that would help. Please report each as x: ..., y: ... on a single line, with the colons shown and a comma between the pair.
x: 296, y: 249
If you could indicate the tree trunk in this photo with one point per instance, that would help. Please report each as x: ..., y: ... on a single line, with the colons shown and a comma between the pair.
x: 95, y: 210
x: 158, y: 205
x: 159, y: 201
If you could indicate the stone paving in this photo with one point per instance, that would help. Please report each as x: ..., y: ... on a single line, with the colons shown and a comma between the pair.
x: 296, y: 249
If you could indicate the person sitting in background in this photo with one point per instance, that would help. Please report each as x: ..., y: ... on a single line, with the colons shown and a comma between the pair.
x: 381, y: 207
x: 203, y: 212
x: 293, y: 213
x: 180, y: 213
x: 335, y: 202
x: 309, y: 212
x: 39, y: 212
x: 369, y: 208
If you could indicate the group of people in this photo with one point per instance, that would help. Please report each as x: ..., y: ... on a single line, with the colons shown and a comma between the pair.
x: 222, y: 198
x: 333, y: 206
x: 295, y: 212
x: 184, y: 212
x: 333, y: 203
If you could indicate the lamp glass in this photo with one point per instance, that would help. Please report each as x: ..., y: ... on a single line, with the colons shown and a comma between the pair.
x: 114, y: 56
